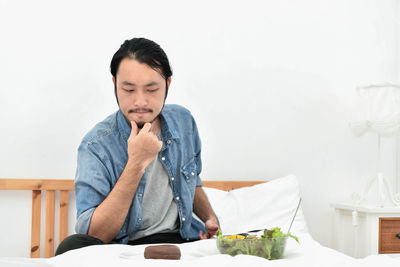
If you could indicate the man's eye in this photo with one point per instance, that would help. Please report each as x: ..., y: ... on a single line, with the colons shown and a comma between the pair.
x: 128, y: 90
x: 152, y: 90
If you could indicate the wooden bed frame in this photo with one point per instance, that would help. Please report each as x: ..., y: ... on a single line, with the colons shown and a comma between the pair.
x: 50, y: 186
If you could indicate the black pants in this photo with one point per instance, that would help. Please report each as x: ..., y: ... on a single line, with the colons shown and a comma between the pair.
x: 79, y: 241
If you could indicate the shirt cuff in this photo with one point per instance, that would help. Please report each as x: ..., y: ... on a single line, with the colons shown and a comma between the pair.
x: 83, y: 221
x: 199, y: 182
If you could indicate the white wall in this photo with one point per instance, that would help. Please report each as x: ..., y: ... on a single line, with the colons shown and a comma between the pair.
x: 271, y: 84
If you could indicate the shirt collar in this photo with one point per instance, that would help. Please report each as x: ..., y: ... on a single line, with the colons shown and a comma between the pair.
x: 124, y: 127
x: 168, y: 132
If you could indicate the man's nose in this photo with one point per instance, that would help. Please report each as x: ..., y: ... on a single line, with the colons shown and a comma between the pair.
x: 140, y: 99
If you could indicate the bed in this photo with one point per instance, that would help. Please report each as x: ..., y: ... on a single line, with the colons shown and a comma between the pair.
x: 245, y: 206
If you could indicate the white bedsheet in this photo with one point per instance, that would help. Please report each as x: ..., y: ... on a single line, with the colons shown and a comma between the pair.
x: 204, y: 253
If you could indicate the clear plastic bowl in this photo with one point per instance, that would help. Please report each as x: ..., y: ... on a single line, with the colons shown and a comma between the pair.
x: 269, y: 248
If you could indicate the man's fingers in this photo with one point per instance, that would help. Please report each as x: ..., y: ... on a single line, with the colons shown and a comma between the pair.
x: 213, y: 227
x: 146, y: 128
x: 134, y: 130
x: 201, y: 236
x: 205, y: 235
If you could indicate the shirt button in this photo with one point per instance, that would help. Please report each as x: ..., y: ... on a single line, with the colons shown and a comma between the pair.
x: 169, y: 142
x: 192, y: 173
x: 140, y: 195
x: 140, y: 219
x: 163, y: 158
x: 183, y: 219
x: 172, y: 178
x: 177, y: 198
x: 187, y: 239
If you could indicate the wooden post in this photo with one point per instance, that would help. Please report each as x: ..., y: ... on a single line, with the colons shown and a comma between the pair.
x: 49, y: 241
x: 63, y: 215
x: 35, y: 234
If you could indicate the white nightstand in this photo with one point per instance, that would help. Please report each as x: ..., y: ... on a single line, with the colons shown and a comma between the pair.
x: 371, y: 230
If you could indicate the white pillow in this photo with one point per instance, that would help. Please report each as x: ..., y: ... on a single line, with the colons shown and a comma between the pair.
x: 261, y: 206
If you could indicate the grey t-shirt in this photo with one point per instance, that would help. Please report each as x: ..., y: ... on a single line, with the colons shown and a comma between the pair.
x: 160, y: 212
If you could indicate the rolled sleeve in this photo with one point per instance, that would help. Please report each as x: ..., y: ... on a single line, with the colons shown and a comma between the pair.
x: 83, y: 221
x: 199, y: 182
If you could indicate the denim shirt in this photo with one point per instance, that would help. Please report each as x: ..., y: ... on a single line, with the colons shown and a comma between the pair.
x: 102, y: 157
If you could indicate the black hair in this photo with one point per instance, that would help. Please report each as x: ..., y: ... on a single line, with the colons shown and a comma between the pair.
x: 144, y: 51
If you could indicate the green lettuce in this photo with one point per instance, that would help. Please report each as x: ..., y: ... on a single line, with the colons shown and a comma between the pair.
x: 271, y: 245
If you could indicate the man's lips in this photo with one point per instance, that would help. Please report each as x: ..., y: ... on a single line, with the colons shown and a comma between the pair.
x: 140, y: 111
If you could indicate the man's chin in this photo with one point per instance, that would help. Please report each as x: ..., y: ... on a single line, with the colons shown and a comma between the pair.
x: 140, y: 124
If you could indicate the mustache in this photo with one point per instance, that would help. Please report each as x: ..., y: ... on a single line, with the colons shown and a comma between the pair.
x: 140, y: 110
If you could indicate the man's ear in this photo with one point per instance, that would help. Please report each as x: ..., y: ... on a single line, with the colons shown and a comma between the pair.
x: 115, y: 89
x: 169, y: 82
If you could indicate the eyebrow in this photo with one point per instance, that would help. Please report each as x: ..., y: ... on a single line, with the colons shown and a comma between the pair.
x: 128, y: 83
x: 133, y: 84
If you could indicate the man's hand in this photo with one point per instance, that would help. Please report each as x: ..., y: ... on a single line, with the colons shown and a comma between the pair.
x: 202, y: 208
x: 143, y: 146
x: 211, y: 228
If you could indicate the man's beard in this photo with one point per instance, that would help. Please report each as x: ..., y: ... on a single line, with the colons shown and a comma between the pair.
x: 141, y: 124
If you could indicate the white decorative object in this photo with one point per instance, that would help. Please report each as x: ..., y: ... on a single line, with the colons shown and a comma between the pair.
x: 379, y: 112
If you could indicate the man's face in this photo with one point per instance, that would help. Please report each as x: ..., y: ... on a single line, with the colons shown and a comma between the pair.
x: 140, y: 91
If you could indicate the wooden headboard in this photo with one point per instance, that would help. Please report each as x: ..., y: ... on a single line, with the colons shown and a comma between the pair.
x: 229, y: 185
x: 50, y: 186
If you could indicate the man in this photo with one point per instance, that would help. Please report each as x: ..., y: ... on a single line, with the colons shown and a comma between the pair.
x: 137, y: 179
